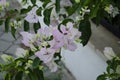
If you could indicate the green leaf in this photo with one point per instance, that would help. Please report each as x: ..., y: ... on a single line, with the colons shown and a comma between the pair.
x: 101, y: 77
x: 38, y: 12
x: 19, y: 75
x: 67, y: 20
x: 32, y: 75
x: 72, y: 1
x: 7, y: 21
x: 1, y: 22
x: 24, y: 1
x: 36, y: 62
x: 85, y: 28
x: 73, y: 9
x: 57, y: 6
x: 94, y: 11
x: 45, y: 3
x: 24, y: 10
x: 8, y: 76
x: 58, y: 54
x: 47, y: 14
x: 26, y: 26
x: 86, y: 2
x: 39, y: 74
x: 13, y: 31
x: 36, y: 26
x: 33, y: 2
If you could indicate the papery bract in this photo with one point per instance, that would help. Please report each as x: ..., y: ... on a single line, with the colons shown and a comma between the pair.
x: 45, y: 54
x: 32, y: 17
x: 20, y: 52
x: 69, y: 35
x: 57, y: 42
x: 28, y: 38
x: 52, y: 66
x: 44, y: 32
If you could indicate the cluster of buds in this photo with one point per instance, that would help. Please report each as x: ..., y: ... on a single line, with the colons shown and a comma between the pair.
x: 16, y: 24
x: 113, y: 11
x: 82, y: 12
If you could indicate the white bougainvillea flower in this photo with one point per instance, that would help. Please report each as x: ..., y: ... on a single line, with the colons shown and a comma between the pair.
x: 83, y: 11
x: 54, y: 19
x: 32, y: 17
x: 45, y: 54
x: 57, y: 42
x: 52, y: 66
x: 66, y: 29
x: 113, y: 11
x: 20, y: 52
x: 109, y: 53
x: 28, y: 39
x: 43, y: 36
x: 44, y: 32
x: 70, y: 34
x: 70, y: 45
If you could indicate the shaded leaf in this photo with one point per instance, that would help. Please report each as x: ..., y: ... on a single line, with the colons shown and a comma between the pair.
x: 26, y: 25
x: 33, y: 2
x: 57, y: 6
x: 85, y: 28
x: 73, y: 9
x: 47, y: 14
x: 24, y: 10
x: 94, y: 11
x: 36, y: 26
x: 101, y: 77
x: 18, y: 76
x: 38, y: 12
x: 32, y: 75
x: 7, y: 21
x: 36, y: 62
x: 13, y: 31
x: 45, y: 3
x: 67, y: 20
x: 1, y: 22
x: 39, y: 74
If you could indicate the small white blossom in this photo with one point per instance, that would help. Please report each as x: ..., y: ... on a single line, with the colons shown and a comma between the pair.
x: 20, y: 52
x: 113, y: 11
x: 83, y: 11
x: 109, y: 53
x: 52, y: 66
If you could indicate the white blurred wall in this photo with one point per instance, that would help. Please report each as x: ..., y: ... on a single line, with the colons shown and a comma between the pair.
x: 85, y: 63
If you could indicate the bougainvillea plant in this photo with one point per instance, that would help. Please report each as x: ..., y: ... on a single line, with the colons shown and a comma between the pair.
x: 113, y: 68
x: 67, y: 22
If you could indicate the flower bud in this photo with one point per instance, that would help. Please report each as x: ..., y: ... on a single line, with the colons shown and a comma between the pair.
x: 6, y: 57
x: 27, y: 72
x: 30, y: 61
x: 77, y: 1
x: 0, y: 8
x: 7, y: 4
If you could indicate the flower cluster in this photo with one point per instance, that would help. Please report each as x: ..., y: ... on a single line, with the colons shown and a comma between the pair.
x: 49, y: 41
